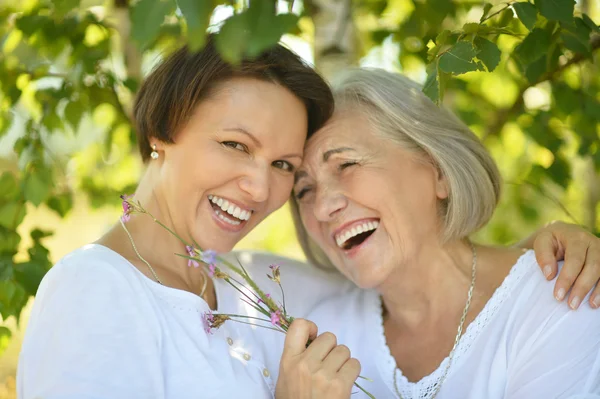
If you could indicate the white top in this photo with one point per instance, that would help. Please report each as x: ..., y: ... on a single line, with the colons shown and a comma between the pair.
x: 524, y: 344
x: 137, y: 338
x: 99, y: 328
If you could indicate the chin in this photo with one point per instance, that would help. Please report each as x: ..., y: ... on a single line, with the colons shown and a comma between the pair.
x: 364, y: 277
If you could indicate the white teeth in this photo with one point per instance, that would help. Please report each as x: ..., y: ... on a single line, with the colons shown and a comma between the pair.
x: 228, y: 220
x: 230, y: 208
x: 345, y: 235
x: 225, y: 205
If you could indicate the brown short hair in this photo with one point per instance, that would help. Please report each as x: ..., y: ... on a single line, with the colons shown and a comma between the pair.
x: 170, y: 94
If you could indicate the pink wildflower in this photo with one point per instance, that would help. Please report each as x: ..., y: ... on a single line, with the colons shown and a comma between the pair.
x: 268, y: 296
x: 276, y: 318
x: 191, y: 252
x: 127, y: 208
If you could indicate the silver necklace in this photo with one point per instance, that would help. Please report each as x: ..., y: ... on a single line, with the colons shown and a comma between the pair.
x: 152, y: 269
x: 458, y: 334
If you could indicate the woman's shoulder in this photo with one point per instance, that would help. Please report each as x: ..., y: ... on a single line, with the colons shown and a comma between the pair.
x: 532, y: 303
x: 87, y: 270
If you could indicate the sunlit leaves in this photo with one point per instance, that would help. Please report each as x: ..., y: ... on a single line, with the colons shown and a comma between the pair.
x: 252, y: 31
x: 527, y: 13
x: 146, y: 18
x: 459, y: 59
x: 197, y: 16
x: 488, y: 53
x: 534, y: 46
x: 556, y: 10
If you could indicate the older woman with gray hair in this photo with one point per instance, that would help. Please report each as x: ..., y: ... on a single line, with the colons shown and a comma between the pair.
x: 389, y: 192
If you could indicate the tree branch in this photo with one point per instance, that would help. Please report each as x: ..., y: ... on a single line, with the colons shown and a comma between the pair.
x: 504, y: 115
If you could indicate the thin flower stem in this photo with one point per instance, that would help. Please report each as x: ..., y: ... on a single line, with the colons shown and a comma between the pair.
x: 258, y: 325
x: 259, y: 309
x: 283, y: 298
x: 246, y: 317
x: 365, y: 391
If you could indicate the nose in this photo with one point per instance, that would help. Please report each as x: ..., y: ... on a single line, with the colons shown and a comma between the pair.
x: 329, y: 203
x: 256, y: 182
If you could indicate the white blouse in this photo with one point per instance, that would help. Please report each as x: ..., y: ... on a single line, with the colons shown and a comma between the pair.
x: 99, y: 328
x: 524, y: 344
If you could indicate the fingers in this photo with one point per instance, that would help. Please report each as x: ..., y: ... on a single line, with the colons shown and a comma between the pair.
x: 595, y: 297
x: 587, y: 279
x: 575, y: 256
x: 336, y: 359
x: 299, y: 333
x: 546, y: 247
x: 350, y: 371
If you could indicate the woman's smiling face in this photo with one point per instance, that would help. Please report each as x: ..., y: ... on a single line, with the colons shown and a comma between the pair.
x: 366, y: 201
x: 232, y: 164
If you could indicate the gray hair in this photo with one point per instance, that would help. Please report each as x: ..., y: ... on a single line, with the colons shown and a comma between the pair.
x: 400, y: 112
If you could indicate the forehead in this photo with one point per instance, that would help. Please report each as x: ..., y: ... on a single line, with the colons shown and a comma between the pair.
x: 344, y: 129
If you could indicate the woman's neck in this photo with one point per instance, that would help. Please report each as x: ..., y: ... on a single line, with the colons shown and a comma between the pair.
x: 153, y: 242
x: 425, y: 287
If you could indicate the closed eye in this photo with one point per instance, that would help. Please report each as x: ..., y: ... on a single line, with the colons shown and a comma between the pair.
x: 235, y: 145
x: 284, y: 165
x: 302, y: 192
x: 347, y: 164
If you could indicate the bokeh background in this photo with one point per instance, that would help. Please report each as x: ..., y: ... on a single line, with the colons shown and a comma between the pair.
x: 524, y: 75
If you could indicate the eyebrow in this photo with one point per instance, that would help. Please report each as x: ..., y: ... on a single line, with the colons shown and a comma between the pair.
x: 327, y: 154
x: 246, y: 132
x: 256, y: 141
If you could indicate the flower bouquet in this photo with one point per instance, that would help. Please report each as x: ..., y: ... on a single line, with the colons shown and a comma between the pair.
x: 275, y: 316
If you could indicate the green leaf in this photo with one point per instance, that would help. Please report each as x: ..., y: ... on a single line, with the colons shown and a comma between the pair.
x: 12, y: 214
x: 590, y: 24
x: 527, y: 13
x: 556, y: 10
x: 431, y: 87
x: 233, y: 38
x: 37, y: 186
x: 9, y: 241
x: 197, y: 15
x: 8, y: 186
x: 487, y: 7
x: 73, y: 112
x: 576, y: 36
x: 459, y: 59
x: 573, y: 43
x: 61, y: 203
x: 566, y: 99
x: 506, y: 18
x: 537, y: 69
x: 268, y: 34
x: 29, y: 275
x: 6, y: 268
x: 534, y: 46
x: 488, y: 53
x: 5, y: 336
x: 560, y: 171
x: 146, y: 18
x: 63, y: 7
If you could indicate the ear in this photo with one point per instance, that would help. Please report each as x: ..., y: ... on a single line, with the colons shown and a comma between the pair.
x: 441, y: 184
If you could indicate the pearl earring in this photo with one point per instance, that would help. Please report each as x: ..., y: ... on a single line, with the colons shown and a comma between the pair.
x: 154, y: 154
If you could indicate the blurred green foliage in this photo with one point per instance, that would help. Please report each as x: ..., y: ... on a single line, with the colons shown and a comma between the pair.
x: 524, y: 76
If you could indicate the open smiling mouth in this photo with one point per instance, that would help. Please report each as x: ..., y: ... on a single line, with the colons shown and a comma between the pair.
x: 228, y: 212
x: 356, y: 235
